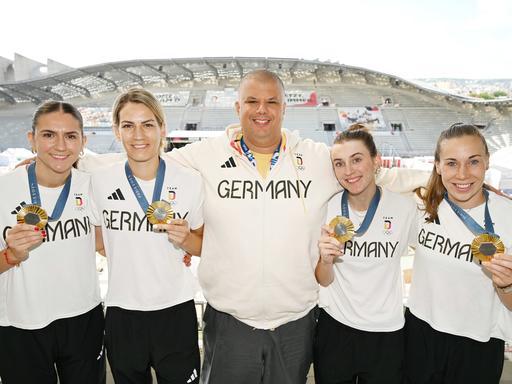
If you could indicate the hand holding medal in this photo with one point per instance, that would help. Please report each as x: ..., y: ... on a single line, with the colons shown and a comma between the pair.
x: 486, y: 243
x: 177, y: 230
x: 29, y: 232
x: 20, y: 239
x: 329, y: 246
x: 500, y: 267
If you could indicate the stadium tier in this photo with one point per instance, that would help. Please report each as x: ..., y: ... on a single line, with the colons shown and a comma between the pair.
x: 199, y: 94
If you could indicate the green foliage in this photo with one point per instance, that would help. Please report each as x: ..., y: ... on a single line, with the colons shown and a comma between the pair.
x: 487, y: 95
x: 500, y: 93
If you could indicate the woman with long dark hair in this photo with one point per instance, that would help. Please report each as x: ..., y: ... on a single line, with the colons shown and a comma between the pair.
x: 51, y: 319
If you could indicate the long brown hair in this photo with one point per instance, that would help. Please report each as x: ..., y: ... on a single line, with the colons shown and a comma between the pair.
x: 433, y: 194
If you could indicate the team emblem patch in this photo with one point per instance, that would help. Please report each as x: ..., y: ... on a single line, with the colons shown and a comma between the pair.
x: 79, y: 201
x: 388, y: 226
x: 299, y: 161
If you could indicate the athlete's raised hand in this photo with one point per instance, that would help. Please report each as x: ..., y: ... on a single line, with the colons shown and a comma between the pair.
x: 330, y: 248
x: 180, y: 234
x: 21, y: 239
x: 501, y: 269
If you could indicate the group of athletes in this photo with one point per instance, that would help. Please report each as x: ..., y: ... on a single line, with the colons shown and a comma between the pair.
x: 300, y: 249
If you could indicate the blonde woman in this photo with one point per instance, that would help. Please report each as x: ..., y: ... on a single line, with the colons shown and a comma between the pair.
x: 151, y: 318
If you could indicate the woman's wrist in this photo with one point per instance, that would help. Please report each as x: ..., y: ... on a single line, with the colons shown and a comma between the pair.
x: 326, y: 261
x: 9, y: 259
x: 505, y: 289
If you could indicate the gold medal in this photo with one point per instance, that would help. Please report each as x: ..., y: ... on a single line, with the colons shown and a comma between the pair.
x: 343, y: 228
x: 159, y: 212
x: 32, y: 214
x: 485, y: 246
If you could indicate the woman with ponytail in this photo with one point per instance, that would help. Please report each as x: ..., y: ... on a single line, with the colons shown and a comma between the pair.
x: 458, y: 312
x: 51, y: 318
x: 359, y: 334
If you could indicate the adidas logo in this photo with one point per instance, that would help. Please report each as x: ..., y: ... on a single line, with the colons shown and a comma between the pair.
x: 17, y: 209
x: 229, y: 164
x: 193, y: 376
x: 116, y: 195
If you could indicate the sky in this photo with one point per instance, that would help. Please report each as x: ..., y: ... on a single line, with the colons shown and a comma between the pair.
x: 410, y: 39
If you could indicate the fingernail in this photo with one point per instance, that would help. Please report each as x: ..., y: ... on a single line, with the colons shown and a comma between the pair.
x: 36, y: 229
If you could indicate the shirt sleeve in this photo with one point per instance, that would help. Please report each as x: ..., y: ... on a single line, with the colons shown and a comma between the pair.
x: 196, y: 214
x: 402, y: 180
x: 91, y: 162
x: 94, y: 213
x: 186, y: 156
x: 413, y: 229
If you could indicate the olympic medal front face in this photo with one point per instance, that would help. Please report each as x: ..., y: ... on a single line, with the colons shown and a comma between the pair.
x: 343, y: 229
x: 159, y: 212
x: 485, y: 246
x: 32, y: 214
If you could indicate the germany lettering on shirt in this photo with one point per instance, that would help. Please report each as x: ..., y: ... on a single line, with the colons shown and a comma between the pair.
x: 253, y: 189
x: 371, y: 248
x: 132, y: 221
x: 445, y: 245
x: 63, y: 229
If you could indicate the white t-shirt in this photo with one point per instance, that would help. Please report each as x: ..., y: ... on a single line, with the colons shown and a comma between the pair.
x: 59, y: 278
x: 366, y: 293
x: 450, y: 291
x: 146, y: 271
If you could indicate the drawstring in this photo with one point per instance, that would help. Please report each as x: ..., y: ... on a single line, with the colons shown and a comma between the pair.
x: 300, y: 182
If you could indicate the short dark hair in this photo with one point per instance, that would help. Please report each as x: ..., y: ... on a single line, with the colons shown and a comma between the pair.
x: 263, y: 74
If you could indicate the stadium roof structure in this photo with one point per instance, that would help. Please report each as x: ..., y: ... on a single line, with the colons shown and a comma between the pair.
x: 92, y: 81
